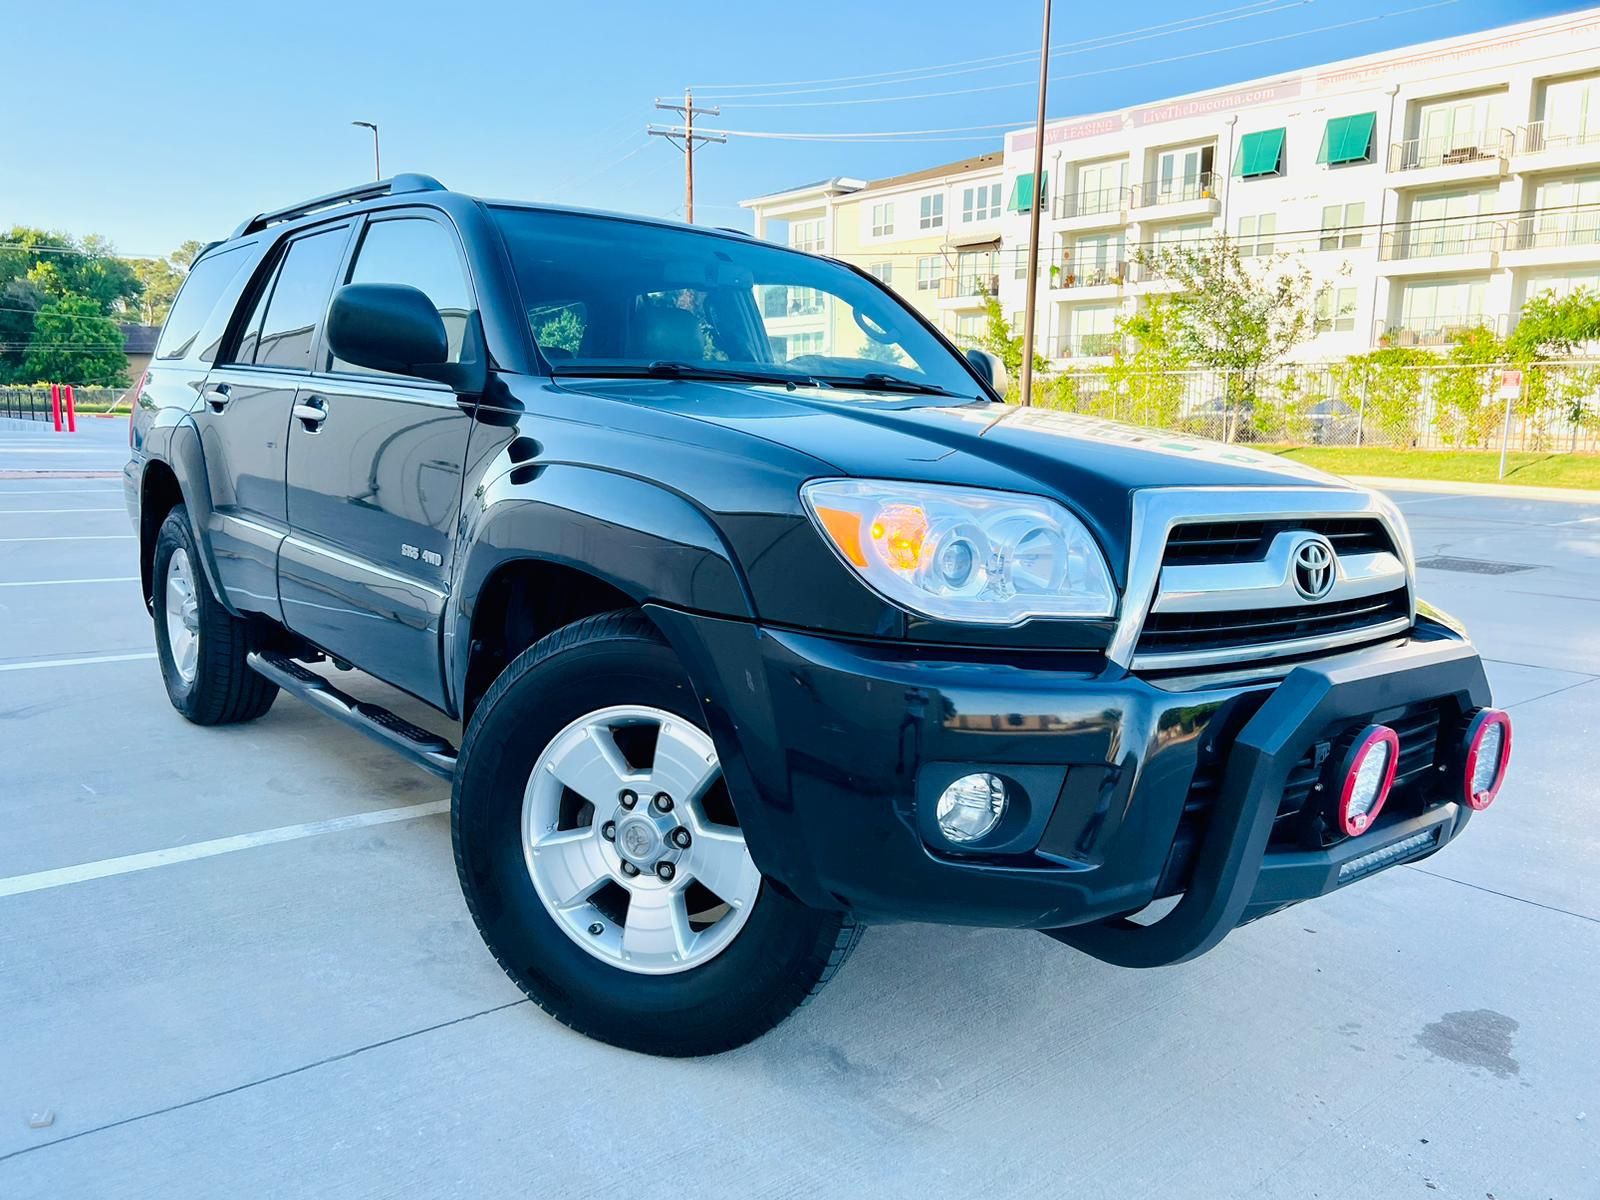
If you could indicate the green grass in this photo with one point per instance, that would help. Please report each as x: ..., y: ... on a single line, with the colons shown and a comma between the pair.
x: 1461, y: 466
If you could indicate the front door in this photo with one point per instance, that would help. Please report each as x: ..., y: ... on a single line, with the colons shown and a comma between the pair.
x: 243, y: 418
x: 374, y: 479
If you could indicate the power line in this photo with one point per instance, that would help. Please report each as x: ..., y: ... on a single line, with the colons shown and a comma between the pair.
x: 1154, y: 62
x: 684, y: 137
x: 1194, y: 24
x: 1004, y: 59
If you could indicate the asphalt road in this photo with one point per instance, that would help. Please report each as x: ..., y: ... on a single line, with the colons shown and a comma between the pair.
x: 295, y: 1002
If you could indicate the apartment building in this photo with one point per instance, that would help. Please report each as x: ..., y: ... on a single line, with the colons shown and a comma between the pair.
x: 933, y: 235
x: 1428, y: 190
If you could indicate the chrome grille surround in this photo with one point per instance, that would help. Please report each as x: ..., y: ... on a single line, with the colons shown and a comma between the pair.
x: 1255, y: 585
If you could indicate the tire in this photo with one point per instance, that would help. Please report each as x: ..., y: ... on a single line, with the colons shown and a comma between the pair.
x: 200, y: 644
x: 686, y: 989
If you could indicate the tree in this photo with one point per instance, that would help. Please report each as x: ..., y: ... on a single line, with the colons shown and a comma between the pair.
x: 1001, y: 340
x: 1553, y: 327
x: 1465, y: 388
x: 1235, y: 312
x: 161, y: 278
x: 1146, y: 381
x: 1385, y: 387
x: 73, y: 343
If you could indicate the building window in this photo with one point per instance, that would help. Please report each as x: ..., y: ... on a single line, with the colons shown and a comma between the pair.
x: 1341, y: 225
x: 981, y: 203
x: 1336, y: 310
x: 932, y: 212
x: 1348, y: 139
x: 1453, y: 130
x: 970, y: 328
x: 882, y: 219
x: 1255, y: 233
x: 806, y: 235
x: 1569, y: 115
x: 883, y: 272
x: 1181, y: 174
x: 1260, y: 154
x: 929, y: 271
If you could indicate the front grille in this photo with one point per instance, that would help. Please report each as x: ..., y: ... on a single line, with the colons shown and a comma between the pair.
x: 1180, y: 632
x: 1211, y: 542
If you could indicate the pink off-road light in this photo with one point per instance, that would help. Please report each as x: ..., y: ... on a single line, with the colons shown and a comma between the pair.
x: 1488, y: 753
x: 1369, y: 768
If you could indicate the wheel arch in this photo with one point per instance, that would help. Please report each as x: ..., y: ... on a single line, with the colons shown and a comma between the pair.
x: 174, y: 473
x: 566, y: 542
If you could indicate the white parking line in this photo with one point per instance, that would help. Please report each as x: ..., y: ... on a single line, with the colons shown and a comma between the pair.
x: 40, y: 512
x: 39, y: 881
x: 99, y: 491
x: 77, y: 537
x: 64, y: 582
x: 43, y: 664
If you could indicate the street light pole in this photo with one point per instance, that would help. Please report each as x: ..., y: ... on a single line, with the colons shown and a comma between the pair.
x: 1026, y: 383
x: 377, y: 163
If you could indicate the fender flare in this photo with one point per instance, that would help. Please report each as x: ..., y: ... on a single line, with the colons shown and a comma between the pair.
x: 648, y: 542
x: 176, y: 445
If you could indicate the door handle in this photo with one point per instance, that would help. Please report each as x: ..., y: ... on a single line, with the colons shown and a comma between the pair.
x: 312, y: 413
x: 217, y: 397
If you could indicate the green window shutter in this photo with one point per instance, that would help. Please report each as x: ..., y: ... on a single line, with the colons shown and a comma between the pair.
x: 1353, y: 139
x: 1330, y: 135
x: 1259, y: 153
x: 1022, y: 192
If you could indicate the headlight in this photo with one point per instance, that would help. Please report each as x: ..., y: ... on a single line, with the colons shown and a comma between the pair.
x: 962, y: 553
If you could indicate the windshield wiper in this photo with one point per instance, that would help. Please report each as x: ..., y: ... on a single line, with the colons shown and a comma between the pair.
x: 672, y: 369
x: 877, y: 381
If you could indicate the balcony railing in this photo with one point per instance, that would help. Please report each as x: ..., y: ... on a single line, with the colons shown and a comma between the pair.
x: 1082, y: 345
x: 1417, y: 153
x: 1554, y: 230
x: 959, y: 287
x: 1543, y: 135
x: 1434, y: 331
x: 1095, y: 274
x: 1176, y: 190
x: 1437, y: 239
x: 1093, y: 204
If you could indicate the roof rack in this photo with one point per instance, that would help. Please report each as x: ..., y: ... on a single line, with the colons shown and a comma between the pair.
x: 398, y: 185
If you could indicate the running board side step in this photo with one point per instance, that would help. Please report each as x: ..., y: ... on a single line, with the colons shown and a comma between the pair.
x: 427, y: 750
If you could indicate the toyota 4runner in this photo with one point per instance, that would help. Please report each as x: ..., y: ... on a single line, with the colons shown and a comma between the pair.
x: 763, y: 615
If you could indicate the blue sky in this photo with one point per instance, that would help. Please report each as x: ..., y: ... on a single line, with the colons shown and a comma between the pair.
x: 173, y: 119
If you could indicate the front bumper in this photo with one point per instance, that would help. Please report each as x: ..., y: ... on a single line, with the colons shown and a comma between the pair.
x: 836, y: 751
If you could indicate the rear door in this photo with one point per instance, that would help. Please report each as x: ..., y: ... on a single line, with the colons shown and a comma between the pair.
x: 374, y: 477
x: 243, y: 416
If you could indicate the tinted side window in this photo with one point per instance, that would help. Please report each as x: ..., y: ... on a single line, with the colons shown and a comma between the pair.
x: 208, y: 280
x: 299, y: 299
x: 422, y: 253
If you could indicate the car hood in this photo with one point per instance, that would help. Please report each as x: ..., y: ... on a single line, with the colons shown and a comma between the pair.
x: 1089, y: 463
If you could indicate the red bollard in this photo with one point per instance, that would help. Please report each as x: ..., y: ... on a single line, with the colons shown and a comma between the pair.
x: 72, y: 411
x: 55, y: 405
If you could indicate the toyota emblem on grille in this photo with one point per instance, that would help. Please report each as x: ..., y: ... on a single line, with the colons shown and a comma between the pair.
x: 1313, y: 564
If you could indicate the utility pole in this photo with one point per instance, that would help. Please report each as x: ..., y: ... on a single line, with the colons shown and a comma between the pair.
x: 377, y: 163
x: 1026, y: 383
x: 684, y: 137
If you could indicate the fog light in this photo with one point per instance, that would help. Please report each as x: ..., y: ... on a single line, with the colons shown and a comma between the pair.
x: 1368, y: 775
x: 971, y: 807
x: 1488, y: 743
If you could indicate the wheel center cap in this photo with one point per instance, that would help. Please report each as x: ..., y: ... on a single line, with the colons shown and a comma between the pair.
x: 638, y: 840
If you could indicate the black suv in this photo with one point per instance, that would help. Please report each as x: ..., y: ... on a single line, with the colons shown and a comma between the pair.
x: 764, y: 615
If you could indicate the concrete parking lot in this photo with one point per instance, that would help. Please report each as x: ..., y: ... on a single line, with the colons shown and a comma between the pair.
x: 237, y: 962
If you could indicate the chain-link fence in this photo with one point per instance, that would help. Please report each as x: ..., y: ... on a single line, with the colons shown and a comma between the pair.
x: 34, y: 404
x: 1545, y: 406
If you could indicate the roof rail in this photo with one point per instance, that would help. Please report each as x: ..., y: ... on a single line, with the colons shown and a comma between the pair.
x: 398, y: 185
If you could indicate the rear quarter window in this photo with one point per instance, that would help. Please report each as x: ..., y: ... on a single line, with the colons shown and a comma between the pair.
x: 208, y: 281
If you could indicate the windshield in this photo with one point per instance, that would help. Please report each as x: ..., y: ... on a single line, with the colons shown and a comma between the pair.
x: 610, y: 296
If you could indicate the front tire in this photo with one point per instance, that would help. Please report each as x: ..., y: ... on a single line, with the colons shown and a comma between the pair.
x: 200, y: 644
x: 601, y: 857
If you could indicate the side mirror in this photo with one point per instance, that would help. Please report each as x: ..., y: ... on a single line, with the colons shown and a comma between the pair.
x: 395, y: 327
x: 990, y: 369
